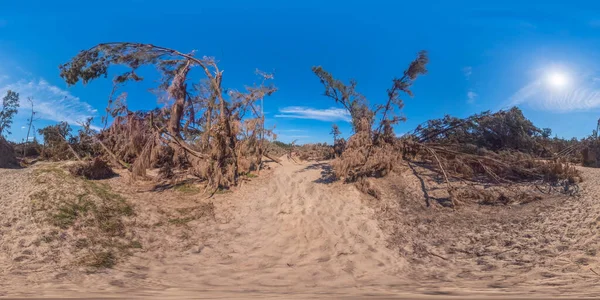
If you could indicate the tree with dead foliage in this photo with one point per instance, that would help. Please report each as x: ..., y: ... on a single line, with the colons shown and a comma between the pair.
x: 370, y: 150
x: 10, y: 105
x: 205, y: 125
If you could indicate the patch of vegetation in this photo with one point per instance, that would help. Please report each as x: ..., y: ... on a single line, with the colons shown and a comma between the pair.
x: 82, y: 243
x: 69, y: 212
x: 100, y: 260
x: 42, y: 174
x: 282, y: 144
x: 118, y: 204
x: 94, y: 170
x: 135, y: 245
x: 221, y: 191
x: 198, y: 212
x: 187, y: 188
x: 39, y: 200
x: 47, y: 238
x: 92, y: 210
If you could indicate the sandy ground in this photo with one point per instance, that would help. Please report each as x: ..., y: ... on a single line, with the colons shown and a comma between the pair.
x: 292, y: 234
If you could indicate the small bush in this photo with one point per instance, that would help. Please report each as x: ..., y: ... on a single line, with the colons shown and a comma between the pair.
x: 95, y: 170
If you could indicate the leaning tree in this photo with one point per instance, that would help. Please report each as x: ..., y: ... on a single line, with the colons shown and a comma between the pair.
x: 216, y: 132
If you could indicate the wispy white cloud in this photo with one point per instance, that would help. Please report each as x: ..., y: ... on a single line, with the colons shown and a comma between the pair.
x: 539, y: 95
x: 468, y: 70
x: 50, y: 102
x: 298, y: 136
x: 471, y: 96
x: 23, y: 72
x: 329, y: 114
x: 290, y: 130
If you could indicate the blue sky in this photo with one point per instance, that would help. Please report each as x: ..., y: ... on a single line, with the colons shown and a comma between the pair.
x: 484, y: 55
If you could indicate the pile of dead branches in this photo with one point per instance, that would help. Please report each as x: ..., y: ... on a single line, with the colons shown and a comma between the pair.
x: 453, y: 152
x: 502, y: 149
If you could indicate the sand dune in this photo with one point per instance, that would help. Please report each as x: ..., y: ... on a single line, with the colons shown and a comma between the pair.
x: 291, y: 234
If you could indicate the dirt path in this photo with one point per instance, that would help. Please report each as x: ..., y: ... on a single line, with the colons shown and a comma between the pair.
x: 287, y: 234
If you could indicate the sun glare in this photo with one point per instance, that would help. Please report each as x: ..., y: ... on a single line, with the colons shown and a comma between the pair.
x: 558, y: 79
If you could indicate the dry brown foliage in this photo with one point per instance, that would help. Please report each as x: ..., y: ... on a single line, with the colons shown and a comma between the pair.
x: 94, y: 170
x: 203, y: 130
x: 7, y: 155
x: 28, y: 149
x: 590, y: 153
x: 367, y: 186
x: 316, y: 152
x: 500, y: 149
x: 458, y: 163
x: 371, y: 151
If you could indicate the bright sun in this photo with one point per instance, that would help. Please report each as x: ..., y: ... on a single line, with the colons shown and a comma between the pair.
x: 558, y: 79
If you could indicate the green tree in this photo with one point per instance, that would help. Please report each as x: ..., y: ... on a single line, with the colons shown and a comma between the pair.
x: 10, y: 105
x: 546, y: 133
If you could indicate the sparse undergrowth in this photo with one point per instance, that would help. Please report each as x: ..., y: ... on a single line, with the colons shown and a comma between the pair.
x: 187, y: 188
x: 90, y: 219
x: 95, y: 169
x: 188, y: 214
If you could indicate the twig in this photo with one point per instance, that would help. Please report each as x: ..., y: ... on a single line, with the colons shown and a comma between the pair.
x: 511, y: 249
x: 272, y: 158
x: 594, y: 271
x: 114, y: 157
x: 436, y: 255
x: 445, y: 175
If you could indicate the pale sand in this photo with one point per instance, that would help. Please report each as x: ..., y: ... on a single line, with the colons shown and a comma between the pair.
x: 287, y: 234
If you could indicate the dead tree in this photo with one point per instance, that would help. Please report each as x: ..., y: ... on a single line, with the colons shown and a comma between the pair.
x: 203, y: 120
x: 369, y: 151
x: 31, y: 119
